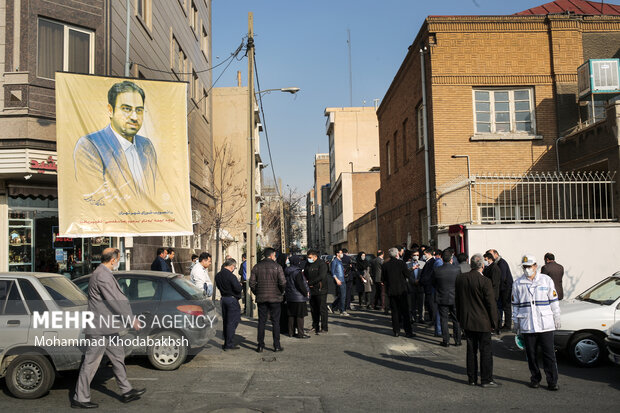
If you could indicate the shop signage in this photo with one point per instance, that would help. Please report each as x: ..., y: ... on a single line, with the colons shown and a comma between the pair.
x: 49, y: 165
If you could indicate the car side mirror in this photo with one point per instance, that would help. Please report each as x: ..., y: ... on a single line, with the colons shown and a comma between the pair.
x: 618, y: 306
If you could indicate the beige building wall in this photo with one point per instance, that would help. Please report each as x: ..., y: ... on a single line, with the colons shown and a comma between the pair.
x: 356, y: 193
x: 230, y: 125
x: 353, y: 137
x: 362, y: 234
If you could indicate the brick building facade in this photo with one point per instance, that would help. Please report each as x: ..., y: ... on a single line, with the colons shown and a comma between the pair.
x: 500, y: 89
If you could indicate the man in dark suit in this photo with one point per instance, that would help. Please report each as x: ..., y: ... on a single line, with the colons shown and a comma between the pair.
x: 159, y: 264
x: 170, y: 260
x: 476, y: 311
x: 230, y: 290
x: 426, y: 280
x: 316, y: 274
x: 395, y: 275
x: 375, y: 267
x: 555, y: 271
x: 504, y: 305
x: 116, y: 155
x: 444, y: 281
x: 107, y: 303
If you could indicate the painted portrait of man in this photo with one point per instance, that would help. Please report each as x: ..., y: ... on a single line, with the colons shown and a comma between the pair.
x: 116, y: 159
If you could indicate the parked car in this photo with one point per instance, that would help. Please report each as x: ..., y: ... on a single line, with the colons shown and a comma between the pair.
x: 159, y: 296
x: 586, y: 321
x: 613, y: 342
x: 28, y: 365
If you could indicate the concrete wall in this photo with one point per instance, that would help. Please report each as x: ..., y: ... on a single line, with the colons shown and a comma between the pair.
x: 569, y: 243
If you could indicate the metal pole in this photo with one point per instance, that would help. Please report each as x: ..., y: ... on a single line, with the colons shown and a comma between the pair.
x: 128, y: 36
x: 471, y: 211
x: 426, y: 161
x: 251, y: 237
x: 282, y: 223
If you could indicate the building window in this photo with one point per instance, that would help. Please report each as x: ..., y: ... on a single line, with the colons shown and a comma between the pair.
x: 178, y: 59
x: 395, y: 151
x: 203, y: 103
x: 62, y: 47
x: 185, y: 241
x: 420, y: 116
x: 507, y: 213
x: 204, y: 43
x: 193, y: 18
x: 144, y: 13
x: 168, y: 241
x: 197, y: 243
x: 405, y: 156
x: 338, y: 207
x: 504, y: 111
x: 388, y: 156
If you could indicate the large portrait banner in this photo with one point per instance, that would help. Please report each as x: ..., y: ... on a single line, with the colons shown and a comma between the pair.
x: 123, y: 165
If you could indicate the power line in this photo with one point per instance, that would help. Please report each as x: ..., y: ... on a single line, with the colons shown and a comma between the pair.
x: 260, y: 99
x: 233, y: 54
x: 230, y: 60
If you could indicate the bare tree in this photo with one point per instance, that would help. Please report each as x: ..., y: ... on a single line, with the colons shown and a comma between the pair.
x: 271, y: 217
x: 230, y: 198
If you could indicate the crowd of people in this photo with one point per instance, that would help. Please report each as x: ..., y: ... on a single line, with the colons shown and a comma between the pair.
x: 416, y: 286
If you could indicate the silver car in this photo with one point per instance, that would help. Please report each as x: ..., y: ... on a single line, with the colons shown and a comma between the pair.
x: 29, y: 356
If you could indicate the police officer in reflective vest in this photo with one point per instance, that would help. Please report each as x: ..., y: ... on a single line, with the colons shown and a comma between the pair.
x: 536, y: 315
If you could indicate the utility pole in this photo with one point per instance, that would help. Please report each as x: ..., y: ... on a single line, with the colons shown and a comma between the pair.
x: 128, y: 36
x: 251, y: 236
x: 282, y: 223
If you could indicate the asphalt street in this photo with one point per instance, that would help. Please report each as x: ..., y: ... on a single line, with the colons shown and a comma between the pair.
x: 358, y: 367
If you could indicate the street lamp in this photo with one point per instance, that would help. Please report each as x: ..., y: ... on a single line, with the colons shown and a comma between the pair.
x: 471, y: 214
x: 291, y: 90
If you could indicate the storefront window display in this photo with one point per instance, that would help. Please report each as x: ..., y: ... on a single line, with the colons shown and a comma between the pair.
x: 34, y: 244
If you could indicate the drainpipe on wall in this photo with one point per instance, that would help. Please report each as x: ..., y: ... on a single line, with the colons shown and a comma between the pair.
x: 557, y: 152
x: 426, y: 161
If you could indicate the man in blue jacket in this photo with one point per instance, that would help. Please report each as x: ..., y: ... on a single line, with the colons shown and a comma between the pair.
x: 159, y: 264
x: 341, y: 286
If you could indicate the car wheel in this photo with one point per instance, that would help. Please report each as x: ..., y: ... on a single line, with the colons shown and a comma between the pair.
x: 167, y: 356
x: 587, y: 350
x: 30, y: 376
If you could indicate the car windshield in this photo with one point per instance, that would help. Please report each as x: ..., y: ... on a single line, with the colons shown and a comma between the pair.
x: 194, y: 292
x: 604, y: 293
x: 63, y: 291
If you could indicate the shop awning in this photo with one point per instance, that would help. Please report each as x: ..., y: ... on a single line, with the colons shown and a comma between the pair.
x: 24, y: 191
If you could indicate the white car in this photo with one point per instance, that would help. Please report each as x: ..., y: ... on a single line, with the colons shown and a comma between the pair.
x: 586, y: 321
x: 613, y: 343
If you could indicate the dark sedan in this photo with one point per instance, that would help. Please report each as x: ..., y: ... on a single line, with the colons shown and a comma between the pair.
x: 177, y: 317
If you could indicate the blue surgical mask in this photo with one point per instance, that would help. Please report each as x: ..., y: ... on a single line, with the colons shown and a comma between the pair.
x: 288, y: 263
x: 310, y: 260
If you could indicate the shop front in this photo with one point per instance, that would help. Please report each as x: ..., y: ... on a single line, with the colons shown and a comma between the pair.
x: 33, y: 241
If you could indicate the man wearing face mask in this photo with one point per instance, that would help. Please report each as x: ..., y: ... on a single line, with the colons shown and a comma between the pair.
x: 536, y: 315
x: 316, y: 274
x: 159, y: 264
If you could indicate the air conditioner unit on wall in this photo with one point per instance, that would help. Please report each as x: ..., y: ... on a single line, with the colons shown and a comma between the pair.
x: 599, y: 79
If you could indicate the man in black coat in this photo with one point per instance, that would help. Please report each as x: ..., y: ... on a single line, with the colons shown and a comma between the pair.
x: 375, y: 270
x: 426, y: 280
x: 348, y: 278
x: 555, y: 271
x: 476, y: 311
x: 444, y: 281
x: 230, y: 290
x: 316, y: 274
x: 159, y: 264
x: 504, y: 304
x: 395, y: 275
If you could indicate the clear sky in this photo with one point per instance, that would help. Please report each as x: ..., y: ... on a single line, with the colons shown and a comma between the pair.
x: 303, y: 43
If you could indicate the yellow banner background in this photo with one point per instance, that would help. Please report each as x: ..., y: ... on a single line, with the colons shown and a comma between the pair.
x: 101, y: 192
